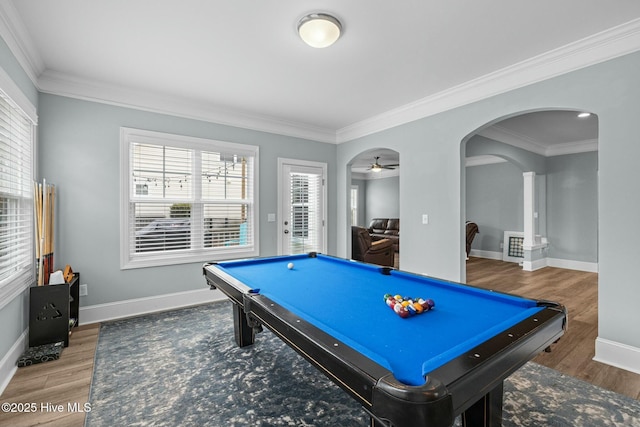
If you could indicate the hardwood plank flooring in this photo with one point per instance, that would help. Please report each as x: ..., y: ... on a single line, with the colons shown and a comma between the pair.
x: 68, y: 380
x: 65, y: 382
x: 576, y: 290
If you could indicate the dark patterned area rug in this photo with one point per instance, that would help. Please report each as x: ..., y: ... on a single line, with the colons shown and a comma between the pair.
x: 182, y: 368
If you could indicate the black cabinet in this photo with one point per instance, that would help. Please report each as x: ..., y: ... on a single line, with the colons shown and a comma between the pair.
x: 53, y: 311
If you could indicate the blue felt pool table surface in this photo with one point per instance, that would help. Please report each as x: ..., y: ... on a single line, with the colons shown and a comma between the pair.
x: 345, y: 299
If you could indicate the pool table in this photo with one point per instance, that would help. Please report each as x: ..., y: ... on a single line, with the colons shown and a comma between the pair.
x: 421, y: 370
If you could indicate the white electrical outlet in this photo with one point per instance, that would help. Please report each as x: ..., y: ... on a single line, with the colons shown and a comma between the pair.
x: 425, y: 219
x: 84, y: 290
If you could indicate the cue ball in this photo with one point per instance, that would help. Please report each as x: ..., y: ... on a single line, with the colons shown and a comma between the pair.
x: 290, y: 266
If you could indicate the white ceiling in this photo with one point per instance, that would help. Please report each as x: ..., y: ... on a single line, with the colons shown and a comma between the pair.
x: 241, y: 62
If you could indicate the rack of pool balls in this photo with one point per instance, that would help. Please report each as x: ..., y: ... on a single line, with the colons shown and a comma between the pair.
x: 406, y: 306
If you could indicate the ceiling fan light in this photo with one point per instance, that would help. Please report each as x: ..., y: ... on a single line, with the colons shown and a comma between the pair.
x: 319, y: 30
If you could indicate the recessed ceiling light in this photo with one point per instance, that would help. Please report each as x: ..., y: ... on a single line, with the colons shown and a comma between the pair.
x: 319, y: 29
x: 584, y: 115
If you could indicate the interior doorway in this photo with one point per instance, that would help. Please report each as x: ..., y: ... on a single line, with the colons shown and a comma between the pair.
x: 374, y: 193
x: 540, y: 167
x: 561, y: 148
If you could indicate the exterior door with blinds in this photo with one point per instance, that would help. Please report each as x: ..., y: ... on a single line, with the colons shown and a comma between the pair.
x: 302, y: 195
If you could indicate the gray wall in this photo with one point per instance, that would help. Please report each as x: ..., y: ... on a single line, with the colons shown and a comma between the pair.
x: 495, y: 202
x: 79, y: 145
x: 568, y: 216
x: 383, y: 198
x: 433, y: 177
x: 572, y: 206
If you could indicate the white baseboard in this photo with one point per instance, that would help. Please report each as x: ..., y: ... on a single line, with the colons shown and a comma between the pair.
x: 534, y: 265
x: 486, y: 254
x: 135, y: 307
x: 8, y: 365
x: 591, y: 267
x: 617, y: 354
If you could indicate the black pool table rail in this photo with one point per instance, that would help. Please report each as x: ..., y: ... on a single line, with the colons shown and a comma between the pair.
x: 470, y: 384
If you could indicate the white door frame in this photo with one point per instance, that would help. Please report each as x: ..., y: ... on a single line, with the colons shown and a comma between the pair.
x: 282, y: 162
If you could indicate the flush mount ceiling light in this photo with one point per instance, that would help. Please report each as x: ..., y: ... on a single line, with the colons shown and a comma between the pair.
x: 319, y: 29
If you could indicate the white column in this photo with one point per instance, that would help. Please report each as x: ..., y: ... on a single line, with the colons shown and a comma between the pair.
x: 529, y: 210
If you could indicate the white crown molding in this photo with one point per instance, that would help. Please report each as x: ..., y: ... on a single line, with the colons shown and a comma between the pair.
x: 359, y: 175
x: 606, y: 45
x: 384, y: 173
x: 572, y: 148
x: 75, y: 87
x: 506, y: 136
x: 483, y: 160
x: 16, y: 36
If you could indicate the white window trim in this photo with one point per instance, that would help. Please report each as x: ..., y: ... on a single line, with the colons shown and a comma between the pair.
x: 128, y: 135
x: 11, y: 288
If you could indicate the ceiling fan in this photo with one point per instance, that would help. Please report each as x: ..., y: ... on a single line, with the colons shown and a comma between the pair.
x: 377, y: 167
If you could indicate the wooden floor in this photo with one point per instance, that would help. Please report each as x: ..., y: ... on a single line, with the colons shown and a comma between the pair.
x: 67, y: 381
x: 576, y: 290
x: 63, y: 382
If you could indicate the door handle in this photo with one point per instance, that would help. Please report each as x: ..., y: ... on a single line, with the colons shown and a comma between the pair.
x: 286, y: 231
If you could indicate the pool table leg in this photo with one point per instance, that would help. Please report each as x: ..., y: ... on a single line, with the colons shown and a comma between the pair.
x: 244, y: 334
x: 486, y: 412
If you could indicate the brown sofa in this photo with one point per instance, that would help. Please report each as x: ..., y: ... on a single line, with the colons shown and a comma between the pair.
x: 363, y: 248
x: 386, y: 228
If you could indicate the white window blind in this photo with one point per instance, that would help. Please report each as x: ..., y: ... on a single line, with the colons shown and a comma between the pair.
x: 306, y: 215
x: 354, y: 205
x: 187, y: 199
x: 17, y: 262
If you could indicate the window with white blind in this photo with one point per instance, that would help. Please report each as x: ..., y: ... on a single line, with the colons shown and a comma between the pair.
x: 186, y: 199
x: 17, y: 264
x: 305, y: 213
x: 354, y: 205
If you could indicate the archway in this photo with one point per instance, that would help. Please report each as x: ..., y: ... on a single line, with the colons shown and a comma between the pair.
x: 374, y: 191
x: 555, y: 154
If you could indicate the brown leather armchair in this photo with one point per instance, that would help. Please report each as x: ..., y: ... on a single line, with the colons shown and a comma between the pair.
x: 363, y: 248
x: 472, y: 230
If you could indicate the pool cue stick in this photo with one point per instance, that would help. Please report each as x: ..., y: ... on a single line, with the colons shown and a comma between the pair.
x: 41, y: 236
x: 46, y: 235
x: 45, y: 218
x: 36, y: 214
x: 48, y: 261
x: 45, y: 207
x: 51, y: 229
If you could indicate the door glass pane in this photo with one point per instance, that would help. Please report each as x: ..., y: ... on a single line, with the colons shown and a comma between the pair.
x: 305, y: 216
